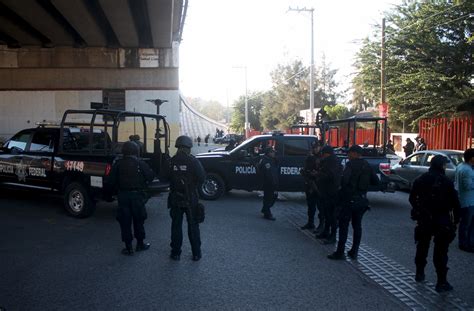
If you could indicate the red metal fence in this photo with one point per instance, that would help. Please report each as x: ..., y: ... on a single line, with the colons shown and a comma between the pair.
x: 447, y: 133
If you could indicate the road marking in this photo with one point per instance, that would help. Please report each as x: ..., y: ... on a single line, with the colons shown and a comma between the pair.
x: 393, y: 277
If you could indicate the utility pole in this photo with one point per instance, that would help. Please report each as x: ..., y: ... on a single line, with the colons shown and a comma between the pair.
x: 247, y: 124
x: 311, y: 69
x: 382, y: 65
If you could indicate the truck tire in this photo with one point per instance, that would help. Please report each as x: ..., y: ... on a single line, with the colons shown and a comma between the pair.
x: 212, y: 188
x: 77, y: 200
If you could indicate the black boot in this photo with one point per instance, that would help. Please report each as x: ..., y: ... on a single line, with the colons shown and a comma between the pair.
x: 319, y: 229
x: 128, y: 250
x: 420, y: 274
x: 442, y: 285
x: 142, y: 246
x: 337, y: 255
x: 308, y: 226
x: 352, y: 254
x: 331, y: 239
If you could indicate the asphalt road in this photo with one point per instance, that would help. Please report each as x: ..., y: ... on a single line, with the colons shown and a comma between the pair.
x: 52, y: 261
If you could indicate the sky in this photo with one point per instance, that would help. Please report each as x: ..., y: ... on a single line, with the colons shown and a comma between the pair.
x: 222, y: 37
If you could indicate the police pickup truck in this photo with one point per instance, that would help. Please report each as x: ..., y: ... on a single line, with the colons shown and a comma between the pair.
x: 237, y: 169
x: 75, y: 158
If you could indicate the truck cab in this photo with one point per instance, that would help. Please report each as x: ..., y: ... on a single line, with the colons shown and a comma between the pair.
x: 238, y: 169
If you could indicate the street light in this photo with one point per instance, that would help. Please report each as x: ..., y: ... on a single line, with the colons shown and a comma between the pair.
x: 247, y: 124
x: 311, y: 72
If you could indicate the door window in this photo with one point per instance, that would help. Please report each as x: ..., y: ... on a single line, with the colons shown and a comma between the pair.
x: 415, y: 160
x: 43, y: 141
x: 296, y: 147
x: 429, y: 157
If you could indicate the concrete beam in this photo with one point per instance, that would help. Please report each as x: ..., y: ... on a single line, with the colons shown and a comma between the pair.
x: 78, y: 16
x: 119, y: 16
x: 161, y: 21
x: 37, y: 17
x: 89, y: 79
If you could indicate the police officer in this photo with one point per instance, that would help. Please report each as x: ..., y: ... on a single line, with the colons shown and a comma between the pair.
x: 436, y: 210
x: 356, y: 178
x: 187, y: 174
x: 129, y: 176
x: 136, y: 140
x: 269, y: 169
x: 311, y: 166
x: 328, y: 181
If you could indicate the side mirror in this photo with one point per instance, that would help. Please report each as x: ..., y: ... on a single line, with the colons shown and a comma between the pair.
x: 16, y: 150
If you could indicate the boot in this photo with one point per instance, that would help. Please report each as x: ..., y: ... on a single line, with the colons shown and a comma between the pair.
x: 337, y: 255
x: 352, y: 254
x: 322, y: 235
x: 128, y: 250
x: 442, y: 285
x: 269, y: 216
x: 331, y: 239
x: 319, y: 229
x: 420, y: 274
x: 142, y: 246
x: 308, y: 226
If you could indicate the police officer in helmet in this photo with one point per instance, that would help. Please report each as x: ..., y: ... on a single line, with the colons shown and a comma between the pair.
x: 356, y: 179
x: 268, y: 167
x: 436, y: 210
x: 187, y: 174
x: 130, y: 176
x: 309, y: 170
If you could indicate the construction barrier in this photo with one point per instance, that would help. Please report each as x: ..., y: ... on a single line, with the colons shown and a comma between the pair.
x: 447, y: 133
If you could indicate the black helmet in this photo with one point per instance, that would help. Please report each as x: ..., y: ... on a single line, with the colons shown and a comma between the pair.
x: 184, y: 141
x: 130, y: 148
x: 327, y: 149
x: 356, y: 148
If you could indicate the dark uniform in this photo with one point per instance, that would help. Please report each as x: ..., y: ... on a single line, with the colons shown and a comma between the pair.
x: 187, y: 174
x: 328, y: 181
x: 353, y: 202
x: 436, y: 210
x: 311, y: 166
x: 130, y: 176
x: 269, y: 170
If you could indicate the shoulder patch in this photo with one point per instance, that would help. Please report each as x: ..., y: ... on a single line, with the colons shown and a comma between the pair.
x: 267, y: 165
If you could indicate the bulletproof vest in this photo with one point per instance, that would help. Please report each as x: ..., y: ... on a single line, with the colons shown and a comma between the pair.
x: 130, y: 177
x: 360, y: 176
x: 182, y: 183
x: 181, y: 173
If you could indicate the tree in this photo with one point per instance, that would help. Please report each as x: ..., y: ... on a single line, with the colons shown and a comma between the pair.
x: 288, y: 96
x: 325, y: 85
x: 255, y: 103
x: 429, y: 61
x: 338, y: 111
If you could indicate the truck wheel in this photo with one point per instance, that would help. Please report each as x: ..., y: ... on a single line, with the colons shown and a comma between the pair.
x: 212, y: 188
x: 77, y: 200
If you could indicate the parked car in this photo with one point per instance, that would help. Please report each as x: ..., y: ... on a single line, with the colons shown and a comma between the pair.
x: 226, y: 139
x: 404, y: 173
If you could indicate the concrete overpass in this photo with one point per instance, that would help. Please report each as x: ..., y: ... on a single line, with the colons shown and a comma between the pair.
x: 61, y: 54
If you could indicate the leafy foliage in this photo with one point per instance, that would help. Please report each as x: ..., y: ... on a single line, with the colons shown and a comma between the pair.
x: 429, y: 61
x: 255, y: 102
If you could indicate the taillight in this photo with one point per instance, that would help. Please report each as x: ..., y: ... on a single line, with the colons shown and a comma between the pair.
x: 108, y: 168
x: 385, y: 168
